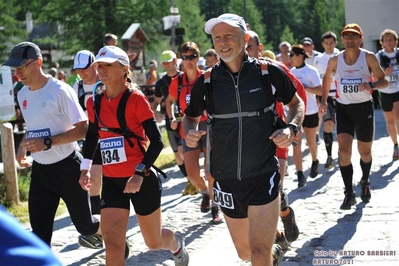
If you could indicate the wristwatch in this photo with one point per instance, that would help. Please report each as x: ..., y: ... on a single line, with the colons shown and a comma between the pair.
x: 141, y: 169
x: 47, y: 142
x: 294, y: 128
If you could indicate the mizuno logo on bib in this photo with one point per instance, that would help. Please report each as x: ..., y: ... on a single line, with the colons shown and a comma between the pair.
x: 38, y: 133
x: 113, y: 150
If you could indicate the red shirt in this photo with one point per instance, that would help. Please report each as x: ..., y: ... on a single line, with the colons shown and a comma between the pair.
x: 185, y: 94
x: 137, y: 111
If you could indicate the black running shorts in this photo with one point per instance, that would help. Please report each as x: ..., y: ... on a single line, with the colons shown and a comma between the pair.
x: 311, y: 121
x: 356, y: 118
x: 387, y: 100
x: 145, y: 202
x: 234, y: 196
x: 330, y: 112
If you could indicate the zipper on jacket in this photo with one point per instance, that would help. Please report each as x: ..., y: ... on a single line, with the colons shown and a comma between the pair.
x: 239, y: 141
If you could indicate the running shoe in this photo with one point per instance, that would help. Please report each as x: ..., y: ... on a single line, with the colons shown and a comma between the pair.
x: 216, y: 219
x: 291, y: 230
x: 182, y: 258
x: 190, y: 189
x: 366, y: 194
x: 395, y: 155
x: 281, y: 241
x: 301, y: 180
x: 314, y: 169
x: 329, y: 163
x: 277, y: 253
x: 205, y: 203
x: 91, y: 241
x: 349, y: 200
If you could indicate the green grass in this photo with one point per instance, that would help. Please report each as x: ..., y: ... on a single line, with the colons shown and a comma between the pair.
x: 166, y: 159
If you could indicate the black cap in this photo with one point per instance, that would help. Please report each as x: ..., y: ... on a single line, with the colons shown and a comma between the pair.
x: 22, y: 52
x: 307, y: 40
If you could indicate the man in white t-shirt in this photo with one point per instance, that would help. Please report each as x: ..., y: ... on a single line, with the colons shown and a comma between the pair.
x: 83, y: 64
x: 329, y: 41
x: 54, y: 122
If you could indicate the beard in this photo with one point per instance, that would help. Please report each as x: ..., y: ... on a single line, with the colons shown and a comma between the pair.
x: 233, y: 56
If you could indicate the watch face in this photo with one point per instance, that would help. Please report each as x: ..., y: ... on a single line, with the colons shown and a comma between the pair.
x: 47, y: 141
x: 140, y: 167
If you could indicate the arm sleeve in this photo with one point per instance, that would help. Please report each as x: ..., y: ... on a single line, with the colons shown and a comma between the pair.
x: 91, y: 140
x: 156, y: 142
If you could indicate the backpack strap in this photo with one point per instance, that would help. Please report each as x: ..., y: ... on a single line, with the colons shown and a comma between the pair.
x: 82, y: 94
x: 121, y: 116
x: 179, y: 88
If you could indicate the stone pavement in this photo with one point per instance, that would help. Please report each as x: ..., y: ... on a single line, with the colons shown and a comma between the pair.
x: 365, y: 235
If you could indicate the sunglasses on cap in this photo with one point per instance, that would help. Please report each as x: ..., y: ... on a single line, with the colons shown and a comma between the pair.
x: 189, y: 57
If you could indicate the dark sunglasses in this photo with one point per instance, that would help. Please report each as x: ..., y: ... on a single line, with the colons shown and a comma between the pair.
x: 189, y: 57
x: 292, y: 54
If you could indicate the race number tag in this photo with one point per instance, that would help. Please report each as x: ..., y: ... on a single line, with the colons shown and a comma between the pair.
x: 394, y: 77
x: 223, y: 199
x: 38, y: 133
x: 113, y: 150
x: 350, y: 85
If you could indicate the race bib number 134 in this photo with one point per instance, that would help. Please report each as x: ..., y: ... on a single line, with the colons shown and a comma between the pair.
x: 113, y: 150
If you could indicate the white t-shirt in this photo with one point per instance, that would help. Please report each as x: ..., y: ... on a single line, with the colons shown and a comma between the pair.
x: 50, y: 111
x: 393, y: 79
x: 348, y: 78
x: 310, y: 61
x: 320, y: 63
x: 309, y: 77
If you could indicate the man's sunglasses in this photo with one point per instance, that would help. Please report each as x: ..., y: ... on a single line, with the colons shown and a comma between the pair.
x: 189, y: 57
x: 23, y: 67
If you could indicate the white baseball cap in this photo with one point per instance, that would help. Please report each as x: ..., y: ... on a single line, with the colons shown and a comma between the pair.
x: 111, y: 54
x: 231, y: 19
x: 83, y: 59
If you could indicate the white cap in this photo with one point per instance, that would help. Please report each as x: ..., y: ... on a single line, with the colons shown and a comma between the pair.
x: 83, y: 59
x: 111, y: 54
x: 201, y: 61
x: 231, y: 19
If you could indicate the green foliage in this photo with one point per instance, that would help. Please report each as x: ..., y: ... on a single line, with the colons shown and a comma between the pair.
x: 251, y: 15
x: 75, y: 25
x: 193, y: 22
x: 12, y: 30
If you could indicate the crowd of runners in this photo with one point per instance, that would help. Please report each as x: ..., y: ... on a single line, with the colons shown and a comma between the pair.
x: 239, y: 105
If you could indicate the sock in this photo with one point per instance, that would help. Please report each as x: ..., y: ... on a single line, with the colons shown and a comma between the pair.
x: 347, y: 177
x: 328, y: 140
x: 95, y: 204
x: 205, y: 191
x: 178, y: 249
x: 299, y: 173
x: 365, y: 169
x: 183, y: 169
